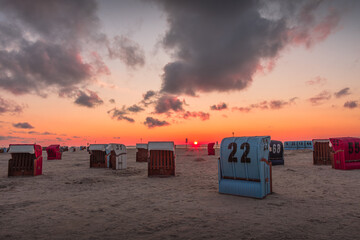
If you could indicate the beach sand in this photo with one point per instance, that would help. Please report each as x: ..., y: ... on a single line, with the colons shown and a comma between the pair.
x: 72, y: 201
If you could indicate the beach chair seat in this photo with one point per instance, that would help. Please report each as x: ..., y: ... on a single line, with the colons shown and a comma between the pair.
x: 321, y: 152
x: 243, y: 167
x: 98, y: 155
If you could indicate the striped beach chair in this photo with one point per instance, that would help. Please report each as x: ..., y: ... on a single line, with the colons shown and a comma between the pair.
x: 161, y: 160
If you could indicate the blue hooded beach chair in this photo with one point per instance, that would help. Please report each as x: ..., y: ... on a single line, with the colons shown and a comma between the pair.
x: 244, y: 168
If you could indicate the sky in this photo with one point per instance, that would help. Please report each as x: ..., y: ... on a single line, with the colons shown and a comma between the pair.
x: 131, y: 71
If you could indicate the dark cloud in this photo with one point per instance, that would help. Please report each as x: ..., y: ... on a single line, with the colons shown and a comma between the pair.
x: 91, y: 100
x: 351, y: 104
x: 41, y: 65
x: 242, y: 109
x: 273, y: 105
x: 342, y: 92
x: 120, y: 114
x: 277, y: 104
x: 39, y: 133
x: 152, y: 122
x: 219, y: 107
x: 167, y: 103
x: 33, y: 132
x: 112, y: 101
x: 23, y: 125
x: 320, y: 98
x: 8, y: 106
x: 54, y: 20
x: 42, y: 45
x: 260, y: 105
x: 310, y: 29
x: 317, y: 81
x: 202, y: 115
x: 135, y: 108
x: 149, y: 94
x: 128, y: 51
x: 218, y: 46
x: 149, y: 98
x: 47, y: 133
x: 9, y: 138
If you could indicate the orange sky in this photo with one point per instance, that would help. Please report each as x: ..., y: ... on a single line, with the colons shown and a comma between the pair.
x: 300, y: 91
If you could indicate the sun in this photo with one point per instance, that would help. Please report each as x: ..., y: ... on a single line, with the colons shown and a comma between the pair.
x: 195, y: 143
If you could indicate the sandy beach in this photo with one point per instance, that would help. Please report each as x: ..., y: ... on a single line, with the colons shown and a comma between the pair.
x: 72, y: 201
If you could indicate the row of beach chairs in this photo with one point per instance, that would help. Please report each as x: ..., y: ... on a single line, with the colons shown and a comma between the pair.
x: 243, y: 168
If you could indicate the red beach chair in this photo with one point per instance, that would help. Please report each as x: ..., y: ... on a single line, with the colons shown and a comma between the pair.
x: 346, y: 153
x: 26, y: 160
x: 53, y: 152
x: 211, y: 150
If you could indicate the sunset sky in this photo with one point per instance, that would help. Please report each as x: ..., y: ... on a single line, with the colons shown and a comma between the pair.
x: 76, y: 72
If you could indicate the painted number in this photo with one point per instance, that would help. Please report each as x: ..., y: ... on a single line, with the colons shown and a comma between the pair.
x: 351, y: 147
x: 276, y: 148
x: 232, y: 146
x: 244, y: 158
x: 357, y: 147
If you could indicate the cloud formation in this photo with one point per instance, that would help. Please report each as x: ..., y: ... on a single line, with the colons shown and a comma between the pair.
x: 148, y: 98
x: 264, y: 105
x: 242, y: 109
x: 219, y: 107
x: 153, y: 122
x: 42, y: 45
x: 8, y: 106
x: 41, y: 133
x: 135, y: 108
x: 351, y: 104
x: 320, y: 98
x: 128, y: 51
x: 311, y: 29
x: 9, y: 138
x: 342, y: 92
x: 317, y: 81
x: 202, y: 115
x: 120, y: 114
x: 89, y: 100
x: 219, y: 46
x: 25, y: 125
x: 167, y: 103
